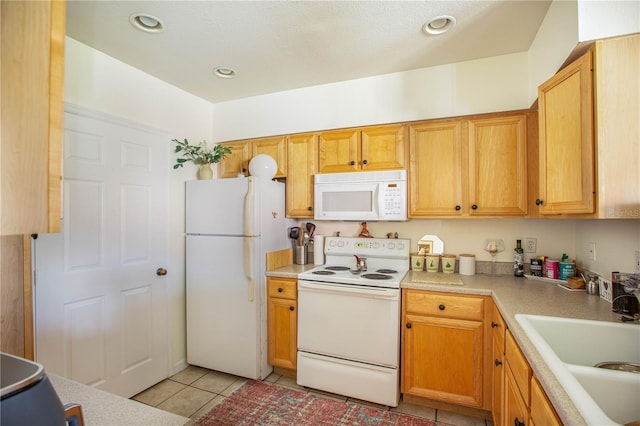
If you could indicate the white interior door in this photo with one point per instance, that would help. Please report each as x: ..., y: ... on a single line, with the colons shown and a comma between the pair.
x: 101, y: 307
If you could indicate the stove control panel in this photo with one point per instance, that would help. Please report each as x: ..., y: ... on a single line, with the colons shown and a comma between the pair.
x: 383, y: 247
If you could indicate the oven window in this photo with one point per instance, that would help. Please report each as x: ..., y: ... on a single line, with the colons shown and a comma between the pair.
x: 347, y: 201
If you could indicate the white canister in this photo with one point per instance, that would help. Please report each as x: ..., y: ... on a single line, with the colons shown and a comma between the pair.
x: 417, y: 262
x: 318, y: 249
x: 467, y: 264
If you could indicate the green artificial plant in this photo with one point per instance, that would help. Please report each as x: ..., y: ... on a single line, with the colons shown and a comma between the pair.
x: 199, y: 154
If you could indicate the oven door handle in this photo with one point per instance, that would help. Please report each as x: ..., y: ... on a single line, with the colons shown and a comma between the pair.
x: 378, y: 292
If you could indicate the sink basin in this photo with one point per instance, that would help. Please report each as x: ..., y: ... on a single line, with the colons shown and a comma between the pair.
x: 571, y: 348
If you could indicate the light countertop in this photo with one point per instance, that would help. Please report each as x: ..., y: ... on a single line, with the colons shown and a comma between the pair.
x: 518, y: 296
x: 103, y: 408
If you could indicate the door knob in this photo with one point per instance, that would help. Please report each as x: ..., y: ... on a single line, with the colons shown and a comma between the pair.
x: 161, y: 272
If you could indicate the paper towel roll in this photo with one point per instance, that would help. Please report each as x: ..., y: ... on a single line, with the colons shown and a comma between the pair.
x: 318, y: 249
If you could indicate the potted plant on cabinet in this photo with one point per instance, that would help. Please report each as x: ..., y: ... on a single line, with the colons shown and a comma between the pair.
x: 200, y: 155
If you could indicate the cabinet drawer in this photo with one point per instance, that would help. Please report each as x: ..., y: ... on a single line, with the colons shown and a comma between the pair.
x: 282, y: 287
x: 519, y: 366
x: 444, y: 305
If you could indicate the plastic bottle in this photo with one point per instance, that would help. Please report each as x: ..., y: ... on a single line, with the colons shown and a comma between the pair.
x: 518, y: 260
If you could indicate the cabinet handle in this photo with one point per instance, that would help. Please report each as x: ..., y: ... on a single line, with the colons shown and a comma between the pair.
x: 244, y: 170
x: 498, y: 363
x: 458, y: 208
x: 365, y: 162
x: 291, y: 308
x: 538, y: 202
x: 309, y: 208
x: 517, y: 422
x: 474, y: 207
x: 280, y: 290
x: 493, y: 324
x: 442, y: 307
x: 353, y: 163
x: 408, y: 325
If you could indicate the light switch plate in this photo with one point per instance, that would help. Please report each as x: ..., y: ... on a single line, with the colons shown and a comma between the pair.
x: 605, y: 289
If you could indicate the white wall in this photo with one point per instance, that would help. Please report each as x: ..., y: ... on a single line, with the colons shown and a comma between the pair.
x: 616, y: 242
x: 484, y: 85
x: 556, y: 38
x: 602, y: 19
x: 99, y: 82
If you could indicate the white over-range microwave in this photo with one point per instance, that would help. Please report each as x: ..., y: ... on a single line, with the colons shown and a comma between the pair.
x: 361, y: 196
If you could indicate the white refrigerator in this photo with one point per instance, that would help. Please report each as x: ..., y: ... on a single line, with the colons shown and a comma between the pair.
x: 230, y: 226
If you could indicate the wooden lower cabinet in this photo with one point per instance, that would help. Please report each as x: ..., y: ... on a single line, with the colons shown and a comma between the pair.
x: 516, y: 411
x: 498, y: 327
x: 282, y: 322
x: 541, y: 412
x: 524, y: 401
x: 443, y: 348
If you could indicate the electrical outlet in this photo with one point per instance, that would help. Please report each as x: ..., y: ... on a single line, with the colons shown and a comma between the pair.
x: 530, y: 245
x: 636, y: 264
x: 591, y: 250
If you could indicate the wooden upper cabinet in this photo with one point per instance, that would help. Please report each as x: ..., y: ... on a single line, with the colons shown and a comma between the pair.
x: 32, y: 57
x: 362, y: 149
x: 498, y: 166
x: 237, y: 162
x: 301, y: 166
x: 435, y: 169
x: 566, y: 144
x: 383, y: 147
x: 339, y: 151
x: 276, y: 148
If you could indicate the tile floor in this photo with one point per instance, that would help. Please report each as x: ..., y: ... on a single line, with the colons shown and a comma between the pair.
x: 195, y: 390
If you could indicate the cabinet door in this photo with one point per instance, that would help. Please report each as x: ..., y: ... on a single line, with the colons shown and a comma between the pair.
x: 237, y: 162
x: 515, y: 410
x: 301, y: 166
x: 383, y: 148
x: 435, y: 169
x: 566, y: 163
x: 276, y: 148
x: 442, y: 359
x: 542, y: 411
x: 32, y: 57
x: 497, y: 404
x: 282, y: 332
x: 339, y: 151
x: 498, y: 166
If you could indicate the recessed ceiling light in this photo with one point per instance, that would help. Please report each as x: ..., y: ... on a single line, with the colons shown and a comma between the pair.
x: 146, y: 22
x: 225, y: 72
x: 439, y: 25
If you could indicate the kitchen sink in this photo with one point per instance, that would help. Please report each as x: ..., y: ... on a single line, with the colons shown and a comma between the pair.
x: 572, y: 347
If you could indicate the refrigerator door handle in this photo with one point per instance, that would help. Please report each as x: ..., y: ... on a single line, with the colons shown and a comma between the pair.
x: 248, y: 210
x: 247, y: 266
x: 248, y: 207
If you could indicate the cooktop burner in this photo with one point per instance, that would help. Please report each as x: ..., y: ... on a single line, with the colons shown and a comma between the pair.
x: 387, y: 271
x: 337, y: 268
x: 324, y: 272
x: 377, y: 276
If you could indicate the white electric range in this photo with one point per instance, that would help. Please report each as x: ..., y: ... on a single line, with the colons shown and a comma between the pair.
x: 349, y: 319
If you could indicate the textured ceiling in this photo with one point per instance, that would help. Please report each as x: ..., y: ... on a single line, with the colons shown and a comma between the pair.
x: 282, y: 45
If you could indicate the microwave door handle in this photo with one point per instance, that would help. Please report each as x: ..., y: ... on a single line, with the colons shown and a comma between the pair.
x: 378, y: 191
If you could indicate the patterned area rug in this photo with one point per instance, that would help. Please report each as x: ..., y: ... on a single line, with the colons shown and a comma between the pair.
x: 257, y: 403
